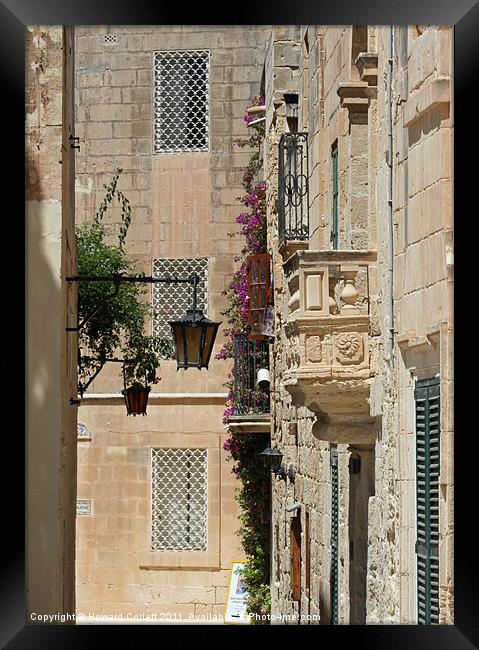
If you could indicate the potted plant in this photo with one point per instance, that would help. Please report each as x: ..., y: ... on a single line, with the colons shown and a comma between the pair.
x: 139, y: 371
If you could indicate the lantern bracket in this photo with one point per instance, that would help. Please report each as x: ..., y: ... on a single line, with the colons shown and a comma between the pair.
x: 119, y: 279
x: 194, y: 318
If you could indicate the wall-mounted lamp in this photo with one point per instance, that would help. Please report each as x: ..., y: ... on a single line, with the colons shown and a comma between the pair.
x: 291, y: 101
x: 194, y: 334
x: 293, y: 509
x: 272, y: 460
x: 262, y: 379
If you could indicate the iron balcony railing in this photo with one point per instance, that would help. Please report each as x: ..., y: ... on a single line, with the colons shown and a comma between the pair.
x: 249, y: 357
x: 293, y: 185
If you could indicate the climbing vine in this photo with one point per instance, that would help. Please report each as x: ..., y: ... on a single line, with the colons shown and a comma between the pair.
x: 254, y: 494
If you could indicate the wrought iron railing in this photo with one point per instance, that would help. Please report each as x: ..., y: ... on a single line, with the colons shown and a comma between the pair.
x: 293, y: 182
x: 249, y: 357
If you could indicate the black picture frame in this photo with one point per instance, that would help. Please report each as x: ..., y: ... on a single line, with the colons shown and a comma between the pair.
x: 14, y: 15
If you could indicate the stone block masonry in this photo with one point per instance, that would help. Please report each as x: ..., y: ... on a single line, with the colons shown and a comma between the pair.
x: 183, y: 204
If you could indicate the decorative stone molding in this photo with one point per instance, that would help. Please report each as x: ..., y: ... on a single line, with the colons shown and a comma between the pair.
x: 329, y: 368
x: 335, y: 348
x: 314, y: 349
x: 355, y: 97
x: 314, y: 278
x: 288, y: 248
x: 349, y: 348
x: 367, y: 64
x: 419, y: 343
x: 433, y: 94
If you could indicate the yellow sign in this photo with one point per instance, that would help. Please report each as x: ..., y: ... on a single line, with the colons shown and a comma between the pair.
x: 236, y: 604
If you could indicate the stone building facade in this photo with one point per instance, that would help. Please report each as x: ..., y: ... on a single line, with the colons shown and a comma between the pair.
x: 51, y: 351
x: 361, y: 240
x: 362, y: 358
x: 184, y: 204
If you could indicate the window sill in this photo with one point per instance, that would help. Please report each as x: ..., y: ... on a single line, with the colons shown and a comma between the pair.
x: 179, y: 559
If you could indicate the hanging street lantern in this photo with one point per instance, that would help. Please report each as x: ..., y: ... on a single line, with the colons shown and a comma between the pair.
x: 193, y: 333
x: 194, y: 336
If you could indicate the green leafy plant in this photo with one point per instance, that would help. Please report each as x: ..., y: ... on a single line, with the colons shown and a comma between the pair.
x: 254, y: 494
x: 254, y: 498
x: 112, y: 314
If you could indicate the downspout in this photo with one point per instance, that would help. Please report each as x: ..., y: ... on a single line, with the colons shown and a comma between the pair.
x: 390, y: 251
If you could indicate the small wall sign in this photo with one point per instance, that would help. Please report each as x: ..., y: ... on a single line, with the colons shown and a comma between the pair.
x: 236, y: 604
x: 83, y: 507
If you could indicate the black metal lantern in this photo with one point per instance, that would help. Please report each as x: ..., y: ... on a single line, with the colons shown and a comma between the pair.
x: 136, y: 399
x: 194, y: 336
x: 271, y: 458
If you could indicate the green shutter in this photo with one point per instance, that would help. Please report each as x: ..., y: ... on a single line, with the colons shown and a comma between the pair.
x: 427, y: 395
x: 335, y: 220
x: 334, y: 537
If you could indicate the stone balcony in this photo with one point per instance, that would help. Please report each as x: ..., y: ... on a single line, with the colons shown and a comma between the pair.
x: 330, y: 298
x: 254, y: 423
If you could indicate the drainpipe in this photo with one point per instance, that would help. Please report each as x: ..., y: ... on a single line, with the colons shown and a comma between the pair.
x: 390, y: 251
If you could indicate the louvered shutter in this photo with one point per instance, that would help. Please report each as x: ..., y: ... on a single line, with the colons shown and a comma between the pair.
x: 334, y: 537
x: 259, y: 292
x: 427, y: 395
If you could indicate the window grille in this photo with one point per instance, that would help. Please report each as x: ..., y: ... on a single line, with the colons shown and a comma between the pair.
x: 179, y: 499
x: 293, y: 187
x: 170, y: 301
x: 181, y: 112
x: 249, y: 357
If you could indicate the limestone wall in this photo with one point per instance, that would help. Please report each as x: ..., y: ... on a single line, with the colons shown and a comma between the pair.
x: 184, y: 205
x: 342, y: 81
x: 51, y: 307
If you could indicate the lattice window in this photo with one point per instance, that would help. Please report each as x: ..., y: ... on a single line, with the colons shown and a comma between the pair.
x: 179, y: 499
x: 170, y: 301
x: 181, y: 101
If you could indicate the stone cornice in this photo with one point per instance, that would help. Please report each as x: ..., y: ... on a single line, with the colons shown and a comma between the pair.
x: 367, y: 65
x: 313, y: 257
x: 433, y: 94
x: 250, y: 423
x: 355, y: 97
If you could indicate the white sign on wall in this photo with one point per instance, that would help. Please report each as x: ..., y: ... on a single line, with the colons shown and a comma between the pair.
x: 237, y: 595
x: 83, y: 507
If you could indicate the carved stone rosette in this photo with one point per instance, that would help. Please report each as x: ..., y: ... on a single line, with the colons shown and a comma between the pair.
x: 349, y: 348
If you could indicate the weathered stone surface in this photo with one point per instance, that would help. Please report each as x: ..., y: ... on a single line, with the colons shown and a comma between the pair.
x: 376, y: 551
